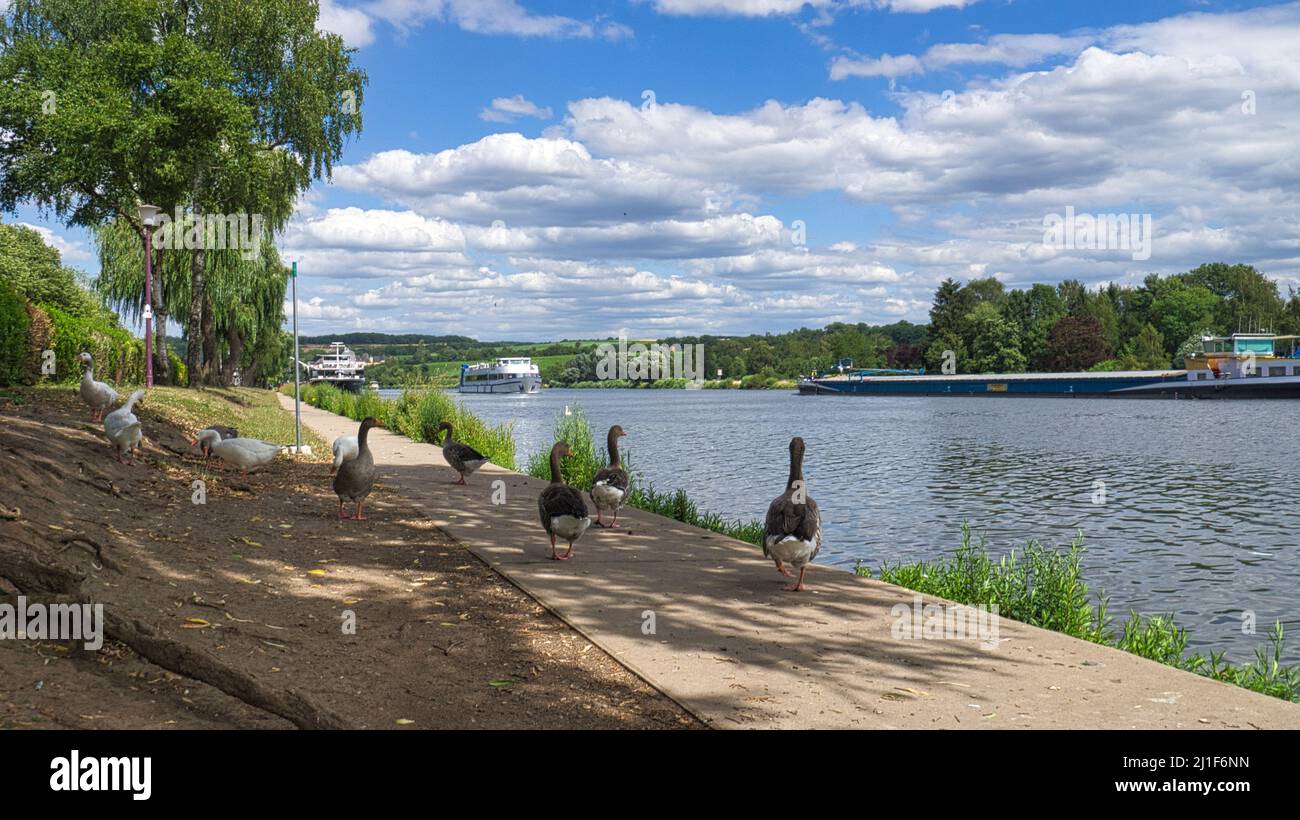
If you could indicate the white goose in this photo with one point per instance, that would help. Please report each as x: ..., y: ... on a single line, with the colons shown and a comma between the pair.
x: 345, y: 447
x: 123, y: 428
x: 244, y: 453
x: 96, y: 394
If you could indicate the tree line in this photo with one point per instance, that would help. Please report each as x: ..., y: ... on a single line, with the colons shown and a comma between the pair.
x: 1068, y: 327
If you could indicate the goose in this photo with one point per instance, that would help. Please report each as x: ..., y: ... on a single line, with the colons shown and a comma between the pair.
x: 345, y: 447
x: 463, y: 458
x: 123, y: 428
x: 356, y: 475
x: 221, y: 430
x: 609, y: 487
x: 562, y: 510
x: 792, y: 532
x: 244, y: 453
x: 96, y: 394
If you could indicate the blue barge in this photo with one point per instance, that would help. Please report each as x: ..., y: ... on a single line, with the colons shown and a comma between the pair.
x: 1243, y: 365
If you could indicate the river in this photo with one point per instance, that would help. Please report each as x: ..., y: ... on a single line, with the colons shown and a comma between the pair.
x: 1190, y: 508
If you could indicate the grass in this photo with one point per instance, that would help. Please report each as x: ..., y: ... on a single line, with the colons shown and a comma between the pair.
x: 255, y: 413
x: 416, y: 414
x: 1043, y: 586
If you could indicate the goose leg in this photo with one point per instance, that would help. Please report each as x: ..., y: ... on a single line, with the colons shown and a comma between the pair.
x: 780, y: 567
x: 462, y: 480
x: 599, y: 523
x: 360, y: 516
x: 614, y: 523
x: 341, y: 513
x: 554, y: 557
x: 798, y: 585
x: 567, y: 553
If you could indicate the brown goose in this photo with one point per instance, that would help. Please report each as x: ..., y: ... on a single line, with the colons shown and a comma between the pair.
x: 463, y: 458
x: 792, y: 533
x: 357, y: 475
x: 562, y: 510
x: 609, y: 487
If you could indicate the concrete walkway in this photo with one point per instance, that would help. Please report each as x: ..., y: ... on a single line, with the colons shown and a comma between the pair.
x: 736, y: 651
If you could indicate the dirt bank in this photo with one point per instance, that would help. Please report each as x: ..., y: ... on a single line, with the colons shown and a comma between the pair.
x: 260, y: 578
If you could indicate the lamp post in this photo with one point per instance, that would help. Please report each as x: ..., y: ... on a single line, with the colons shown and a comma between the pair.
x: 148, y: 218
x: 297, y: 383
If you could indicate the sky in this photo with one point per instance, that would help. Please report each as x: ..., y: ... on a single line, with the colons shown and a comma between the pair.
x: 534, y: 170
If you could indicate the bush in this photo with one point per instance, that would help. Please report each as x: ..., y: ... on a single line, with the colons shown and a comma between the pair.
x: 14, y: 322
x: 119, y: 356
x: 580, y: 469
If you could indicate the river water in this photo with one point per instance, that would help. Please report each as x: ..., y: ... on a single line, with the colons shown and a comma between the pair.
x: 1191, y: 508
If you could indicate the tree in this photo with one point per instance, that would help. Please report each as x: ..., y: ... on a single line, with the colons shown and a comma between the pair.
x: 1146, y: 351
x: 35, y: 271
x: 1179, y: 309
x: 1075, y: 343
x: 994, y: 342
x: 951, y: 304
x: 1073, y: 295
x: 1034, y: 312
x: 1248, y: 300
x: 207, y: 106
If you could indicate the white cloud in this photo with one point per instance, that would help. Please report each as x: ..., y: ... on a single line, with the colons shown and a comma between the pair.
x: 772, y: 8
x: 656, y: 218
x: 492, y: 17
x: 352, y: 24
x: 531, y: 182
x: 71, y: 252
x: 509, y: 109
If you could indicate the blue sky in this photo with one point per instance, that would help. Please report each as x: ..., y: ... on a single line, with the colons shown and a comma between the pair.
x: 797, y: 163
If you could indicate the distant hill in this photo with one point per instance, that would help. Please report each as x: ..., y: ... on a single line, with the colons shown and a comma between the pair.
x: 392, y: 339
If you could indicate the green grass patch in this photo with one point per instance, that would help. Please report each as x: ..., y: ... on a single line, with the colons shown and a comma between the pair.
x: 416, y: 414
x: 1044, y: 586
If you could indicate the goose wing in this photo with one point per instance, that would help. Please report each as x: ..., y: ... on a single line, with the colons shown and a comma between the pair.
x: 613, y: 476
x: 464, y: 453
x: 559, y: 500
x: 785, y: 519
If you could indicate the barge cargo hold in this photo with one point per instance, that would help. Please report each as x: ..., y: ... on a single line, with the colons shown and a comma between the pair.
x: 1241, y: 366
x: 1011, y: 384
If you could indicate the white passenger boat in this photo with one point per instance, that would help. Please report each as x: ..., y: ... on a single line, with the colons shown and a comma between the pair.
x: 515, y: 375
x: 339, y: 367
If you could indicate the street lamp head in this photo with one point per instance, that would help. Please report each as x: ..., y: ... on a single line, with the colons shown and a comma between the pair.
x: 148, y: 215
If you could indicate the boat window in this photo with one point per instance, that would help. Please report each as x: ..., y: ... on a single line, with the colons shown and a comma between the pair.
x: 1277, y: 371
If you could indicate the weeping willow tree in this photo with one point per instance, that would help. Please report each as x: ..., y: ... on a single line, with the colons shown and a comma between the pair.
x: 242, y: 303
x: 121, y: 283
